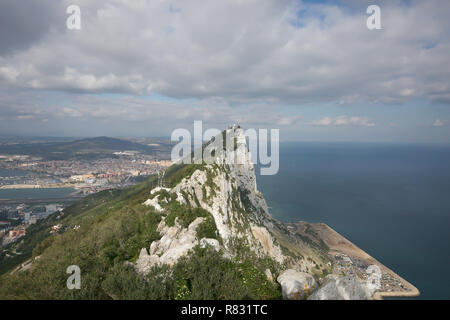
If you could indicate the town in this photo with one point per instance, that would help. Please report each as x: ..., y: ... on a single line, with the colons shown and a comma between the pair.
x: 80, y: 176
x: 14, y: 220
x: 85, y: 176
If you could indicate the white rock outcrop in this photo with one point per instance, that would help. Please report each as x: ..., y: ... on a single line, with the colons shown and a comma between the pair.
x: 269, y: 275
x: 175, y: 243
x: 296, y: 285
x: 145, y: 262
x: 155, y: 200
x: 205, y: 242
x: 155, y: 203
x: 267, y: 243
x: 342, y: 288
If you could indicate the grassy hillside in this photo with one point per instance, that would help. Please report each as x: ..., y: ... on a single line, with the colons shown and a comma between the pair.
x: 114, y: 226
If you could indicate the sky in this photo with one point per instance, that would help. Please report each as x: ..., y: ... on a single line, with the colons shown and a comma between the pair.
x: 312, y: 69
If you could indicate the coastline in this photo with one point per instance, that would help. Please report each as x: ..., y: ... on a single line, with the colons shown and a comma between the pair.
x: 339, y: 245
x: 35, y: 186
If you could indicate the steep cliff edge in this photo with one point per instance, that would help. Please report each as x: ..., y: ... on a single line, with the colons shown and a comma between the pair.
x: 223, y: 185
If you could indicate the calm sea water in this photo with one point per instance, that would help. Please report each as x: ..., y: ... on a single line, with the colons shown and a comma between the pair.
x: 30, y: 193
x: 47, y: 193
x: 12, y: 173
x: 392, y: 200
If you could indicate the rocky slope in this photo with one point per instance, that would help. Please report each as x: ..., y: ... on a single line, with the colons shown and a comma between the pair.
x: 227, y: 190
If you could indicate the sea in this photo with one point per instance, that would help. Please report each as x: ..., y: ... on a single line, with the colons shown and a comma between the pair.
x: 12, y: 173
x: 391, y: 200
x: 45, y: 193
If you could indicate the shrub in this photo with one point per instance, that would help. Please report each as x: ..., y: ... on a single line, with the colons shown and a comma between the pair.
x: 208, y: 229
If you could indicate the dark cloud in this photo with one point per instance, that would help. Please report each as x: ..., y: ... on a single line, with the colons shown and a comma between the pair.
x: 25, y: 22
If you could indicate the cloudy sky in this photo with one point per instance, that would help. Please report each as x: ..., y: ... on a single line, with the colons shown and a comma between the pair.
x: 145, y: 67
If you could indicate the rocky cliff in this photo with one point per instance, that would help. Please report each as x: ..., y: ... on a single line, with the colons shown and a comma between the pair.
x: 227, y: 192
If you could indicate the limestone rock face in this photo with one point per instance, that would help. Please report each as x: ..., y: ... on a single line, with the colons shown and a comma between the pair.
x: 210, y: 242
x: 342, y: 288
x: 145, y: 262
x: 269, y: 275
x: 174, y: 244
x: 227, y: 190
x: 267, y: 243
x: 231, y: 196
x: 155, y: 203
x: 224, y: 185
x: 296, y: 285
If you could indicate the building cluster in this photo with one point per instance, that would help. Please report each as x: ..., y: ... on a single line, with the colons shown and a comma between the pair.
x: 26, y: 179
x: 20, y: 158
x: 15, y: 219
x: 17, y: 233
x: 345, y: 265
x: 87, y: 176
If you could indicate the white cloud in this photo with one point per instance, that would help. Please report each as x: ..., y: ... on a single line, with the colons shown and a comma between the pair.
x: 25, y: 117
x: 247, y: 61
x: 439, y: 123
x: 344, y: 121
x: 250, y: 50
x: 70, y: 112
x: 323, y: 122
x: 288, y: 121
x: 136, y: 109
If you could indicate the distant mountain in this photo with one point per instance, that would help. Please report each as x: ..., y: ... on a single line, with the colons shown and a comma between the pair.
x: 104, y: 144
x: 89, y: 148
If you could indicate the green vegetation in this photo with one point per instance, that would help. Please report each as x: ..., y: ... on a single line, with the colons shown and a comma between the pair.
x: 114, y: 226
x: 208, y: 229
x: 240, y: 220
x: 178, y: 172
x: 34, y: 239
x: 186, y: 215
x: 203, y: 274
x: 102, y: 249
x: 243, y: 193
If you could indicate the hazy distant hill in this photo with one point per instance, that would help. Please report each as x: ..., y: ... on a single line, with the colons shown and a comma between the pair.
x: 85, y: 148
